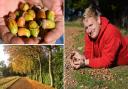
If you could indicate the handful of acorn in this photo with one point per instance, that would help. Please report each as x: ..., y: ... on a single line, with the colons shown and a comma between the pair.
x: 28, y: 20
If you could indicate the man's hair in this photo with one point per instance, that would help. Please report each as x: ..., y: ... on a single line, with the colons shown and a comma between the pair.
x: 91, y: 11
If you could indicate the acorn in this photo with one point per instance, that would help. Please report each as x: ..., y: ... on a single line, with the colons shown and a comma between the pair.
x: 48, y: 24
x: 21, y: 22
x: 24, y: 6
x: 33, y: 24
x: 28, y: 16
x: 12, y: 25
x: 35, y: 32
x: 12, y: 15
x: 32, y: 13
x: 24, y: 32
x: 50, y: 15
x: 41, y: 14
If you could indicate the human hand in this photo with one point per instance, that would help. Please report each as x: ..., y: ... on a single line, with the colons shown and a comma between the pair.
x: 77, y: 60
x: 5, y: 34
x: 56, y: 33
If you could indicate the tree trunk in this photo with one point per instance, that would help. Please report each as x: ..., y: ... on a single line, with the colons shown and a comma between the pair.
x: 40, y: 70
x: 50, y: 66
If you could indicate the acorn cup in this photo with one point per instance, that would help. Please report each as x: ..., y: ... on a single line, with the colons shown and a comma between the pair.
x: 12, y: 25
x: 21, y: 22
x: 48, y: 24
x: 24, y: 32
x: 50, y: 15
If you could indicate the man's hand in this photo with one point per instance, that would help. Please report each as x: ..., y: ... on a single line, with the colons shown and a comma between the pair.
x: 56, y: 6
x: 77, y: 60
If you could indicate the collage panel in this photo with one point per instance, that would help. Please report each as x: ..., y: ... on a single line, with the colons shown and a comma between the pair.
x: 32, y: 22
x: 96, y: 42
x: 63, y: 44
x: 31, y: 67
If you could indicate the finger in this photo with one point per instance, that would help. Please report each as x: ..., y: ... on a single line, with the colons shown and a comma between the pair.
x: 31, y: 40
x: 72, y: 63
x: 3, y: 30
x: 48, y: 43
x: 7, y: 37
x: 16, y: 40
x: 71, y: 55
x: 77, y: 66
x: 77, y: 63
x: 54, y: 34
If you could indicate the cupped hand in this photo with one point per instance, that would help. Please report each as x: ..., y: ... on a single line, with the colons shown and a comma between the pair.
x: 77, y: 60
x: 57, y: 7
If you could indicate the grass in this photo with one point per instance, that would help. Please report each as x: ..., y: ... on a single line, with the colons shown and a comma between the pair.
x: 6, y: 82
x: 79, y: 42
x: 73, y: 24
x: 87, y: 81
x: 79, y: 37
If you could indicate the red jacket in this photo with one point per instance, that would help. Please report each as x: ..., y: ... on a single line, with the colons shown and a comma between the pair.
x: 108, y: 49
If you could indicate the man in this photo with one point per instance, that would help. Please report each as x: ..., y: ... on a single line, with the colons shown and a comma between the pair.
x: 105, y: 46
x: 11, y: 5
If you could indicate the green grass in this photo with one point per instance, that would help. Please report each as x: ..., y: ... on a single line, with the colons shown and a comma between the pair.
x: 73, y: 24
x: 79, y: 39
x: 7, y: 81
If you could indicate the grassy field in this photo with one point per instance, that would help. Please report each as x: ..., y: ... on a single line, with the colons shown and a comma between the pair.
x: 5, y: 82
x: 88, y: 78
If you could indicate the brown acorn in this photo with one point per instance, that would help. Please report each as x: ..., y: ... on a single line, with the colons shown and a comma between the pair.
x: 41, y: 14
x: 12, y: 15
x: 21, y: 22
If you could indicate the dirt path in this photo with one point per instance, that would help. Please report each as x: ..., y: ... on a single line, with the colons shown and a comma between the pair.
x: 26, y: 83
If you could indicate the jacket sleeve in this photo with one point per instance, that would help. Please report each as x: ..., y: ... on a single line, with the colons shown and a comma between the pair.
x: 109, y: 51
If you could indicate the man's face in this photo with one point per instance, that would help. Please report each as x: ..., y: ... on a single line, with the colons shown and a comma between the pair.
x: 92, y: 26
